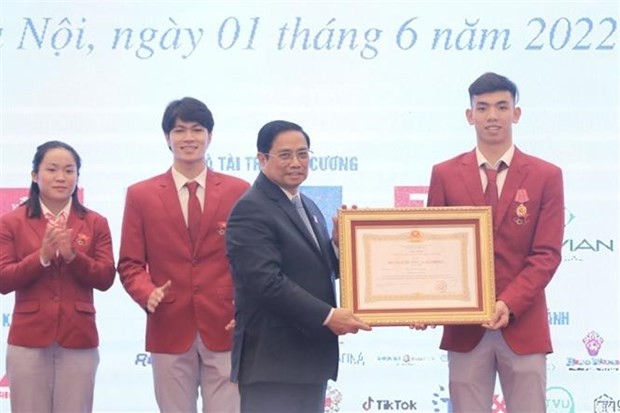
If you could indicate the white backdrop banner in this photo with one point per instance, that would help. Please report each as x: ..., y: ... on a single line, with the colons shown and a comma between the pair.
x: 381, y: 88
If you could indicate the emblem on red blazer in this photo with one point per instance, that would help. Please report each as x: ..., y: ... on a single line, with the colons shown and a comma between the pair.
x: 82, y: 239
x: 522, y: 216
x: 221, y: 227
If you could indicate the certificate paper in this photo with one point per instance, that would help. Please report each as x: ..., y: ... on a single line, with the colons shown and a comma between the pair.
x: 417, y: 265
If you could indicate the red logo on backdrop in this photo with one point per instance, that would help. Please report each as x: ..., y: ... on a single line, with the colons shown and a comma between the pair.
x: 333, y: 397
x: 4, y: 383
x: 11, y: 198
x: 410, y: 196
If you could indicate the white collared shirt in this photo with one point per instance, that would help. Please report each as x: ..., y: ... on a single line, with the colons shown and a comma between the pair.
x: 45, y: 210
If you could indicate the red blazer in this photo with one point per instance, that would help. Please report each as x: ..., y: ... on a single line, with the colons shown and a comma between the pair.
x: 54, y: 303
x: 155, y: 248
x: 526, y: 255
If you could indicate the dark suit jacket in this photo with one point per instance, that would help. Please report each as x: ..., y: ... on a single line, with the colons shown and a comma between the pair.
x: 526, y: 255
x: 155, y: 248
x: 54, y: 303
x: 283, y: 290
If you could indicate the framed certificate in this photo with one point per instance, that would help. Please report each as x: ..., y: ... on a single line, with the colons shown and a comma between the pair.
x: 401, y: 266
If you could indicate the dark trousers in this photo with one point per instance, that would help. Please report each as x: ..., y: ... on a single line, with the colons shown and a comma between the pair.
x: 282, y: 397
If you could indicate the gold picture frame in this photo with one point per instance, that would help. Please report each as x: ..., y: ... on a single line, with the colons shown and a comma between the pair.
x: 402, y: 266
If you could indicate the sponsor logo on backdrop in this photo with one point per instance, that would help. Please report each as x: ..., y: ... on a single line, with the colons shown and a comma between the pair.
x: 408, y: 359
x: 559, y: 400
x: 355, y: 359
x: 412, y: 360
x: 4, y: 387
x: 410, y: 196
x: 558, y: 318
x: 569, y: 217
x: 593, y: 343
x: 576, y: 248
x: 606, y: 404
x: 142, y: 360
x: 11, y: 198
x: 441, y: 401
x: 333, y: 397
x: 373, y: 404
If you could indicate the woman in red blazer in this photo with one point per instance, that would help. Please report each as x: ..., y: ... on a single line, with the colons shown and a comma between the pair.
x: 53, y: 253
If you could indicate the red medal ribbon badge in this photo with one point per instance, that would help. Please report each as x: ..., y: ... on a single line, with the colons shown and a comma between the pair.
x: 521, y: 196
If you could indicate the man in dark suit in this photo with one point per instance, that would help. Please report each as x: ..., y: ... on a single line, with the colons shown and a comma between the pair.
x: 173, y: 264
x: 285, y: 344
x: 528, y: 228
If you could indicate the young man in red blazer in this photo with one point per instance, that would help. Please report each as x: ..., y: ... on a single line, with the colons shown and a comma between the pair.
x: 528, y: 227
x: 173, y: 264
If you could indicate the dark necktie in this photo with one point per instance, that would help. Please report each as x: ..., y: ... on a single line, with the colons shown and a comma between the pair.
x: 304, y: 217
x: 194, y: 212
x: 490, y: 194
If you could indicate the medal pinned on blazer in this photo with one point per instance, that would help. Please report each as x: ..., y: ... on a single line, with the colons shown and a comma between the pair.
x: 522, y: 216
x: 221, y: 227
x: 82, y: 239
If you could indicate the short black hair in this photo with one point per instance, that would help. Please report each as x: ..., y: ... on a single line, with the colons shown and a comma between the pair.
x: 188, y: 110
x: 269, y: 131
x: 492, y: 82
